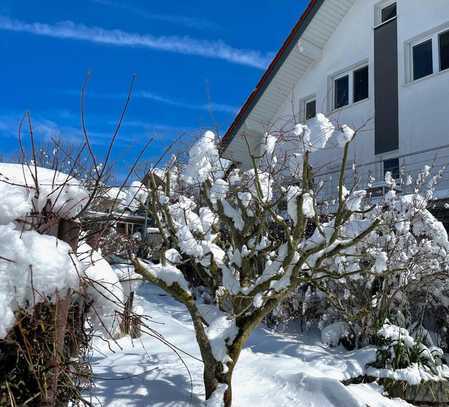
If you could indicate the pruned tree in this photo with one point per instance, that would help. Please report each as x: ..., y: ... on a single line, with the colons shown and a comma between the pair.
x: 232, y: 251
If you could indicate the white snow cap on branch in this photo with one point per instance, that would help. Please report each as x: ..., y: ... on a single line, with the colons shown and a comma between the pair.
x: 204, y: 160
x: 315, y: 134
x: 308, y: 208
x: 344, y: 135
x: 169, y: 274
x: 269, y: 144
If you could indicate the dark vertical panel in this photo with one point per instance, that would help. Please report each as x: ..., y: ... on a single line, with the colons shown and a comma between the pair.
x: 386, y: 87
x: 444, y: 50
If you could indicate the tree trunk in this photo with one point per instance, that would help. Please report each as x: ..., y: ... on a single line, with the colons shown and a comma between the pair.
x: 214, y: 377
x: 213, y: 370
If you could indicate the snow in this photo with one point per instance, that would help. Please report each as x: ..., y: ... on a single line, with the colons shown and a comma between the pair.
x: 295, y: 165
x: 129, y: 279
x: 218, y: 191
x: 354, y: 200
x: 233, y: 214
x: 103, y: 288
x: 344, y: 135
x: 308, y: 208
x: 315, y: 135
x: 169, y: 274
x: 265, y: 182
x: 308, y: 205
x: 331, y: 334
x: 381, y: 262
x: 273, y: 370
x: 173, y: 256
x: 134, y: 196
x: 18, y: 191
x: 413, y: 375
x: 292, y: 204
x: 204, y: 160
x: 33, y: 267
x: 270, y: 144
x: 15, y: 203
x: 221, y: 329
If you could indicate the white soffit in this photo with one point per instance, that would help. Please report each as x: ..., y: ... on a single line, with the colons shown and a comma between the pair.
x: 307, y: 51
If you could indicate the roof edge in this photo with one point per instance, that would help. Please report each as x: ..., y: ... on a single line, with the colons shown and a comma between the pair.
x: 271, y: 71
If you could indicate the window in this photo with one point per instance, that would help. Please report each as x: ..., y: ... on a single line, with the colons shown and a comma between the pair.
x: 392, y: 166
x: 350, y: 87
x: 361, y: 84
x: 422, y: 60
x: 444, y: 50
x: 310, y: 109
x: 388, y: 12
x: 428, y: 53
x: 341, y: 92
x: 385, y: 11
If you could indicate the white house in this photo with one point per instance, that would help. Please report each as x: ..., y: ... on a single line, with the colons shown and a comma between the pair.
x: 379, y: 66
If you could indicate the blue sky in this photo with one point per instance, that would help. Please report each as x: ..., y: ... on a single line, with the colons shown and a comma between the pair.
x: 196, y: 62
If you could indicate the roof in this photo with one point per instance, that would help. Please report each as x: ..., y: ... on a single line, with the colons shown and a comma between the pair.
x: 272, y: 69
x: 291, y: 61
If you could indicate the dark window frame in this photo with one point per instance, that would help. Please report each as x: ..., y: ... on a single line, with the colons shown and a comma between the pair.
x: 365, y: 94
x: 440, y: 54
x: 415, y: 47
x: 307, y: 102
x: 349, y: 76
x: 342, y: 100
x: 390, y: 7
x: 392, y: 165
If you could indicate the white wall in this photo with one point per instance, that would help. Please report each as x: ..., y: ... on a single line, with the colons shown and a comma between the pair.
x: 423, y: 105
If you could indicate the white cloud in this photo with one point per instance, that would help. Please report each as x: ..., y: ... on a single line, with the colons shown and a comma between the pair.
x: 189, y: 22
x: 212, y: 107
x: 180, y: 45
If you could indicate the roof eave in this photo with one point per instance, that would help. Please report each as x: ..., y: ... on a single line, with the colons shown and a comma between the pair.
x: 271, y: 71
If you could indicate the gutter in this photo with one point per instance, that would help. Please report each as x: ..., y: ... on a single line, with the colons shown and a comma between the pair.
x: 271, y: 71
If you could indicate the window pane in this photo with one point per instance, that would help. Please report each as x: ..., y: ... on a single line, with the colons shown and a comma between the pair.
x: 310, y: 109
x: 444, y: 51
x: 341, y: 92
x: 422, y: 60
x: 392, y: 166
x: 389, y: 12
x: 361, y: 84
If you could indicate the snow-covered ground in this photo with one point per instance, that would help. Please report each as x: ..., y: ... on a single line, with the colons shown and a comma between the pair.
x: 274, y: 370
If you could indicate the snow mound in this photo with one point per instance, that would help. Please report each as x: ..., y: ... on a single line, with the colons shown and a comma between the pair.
x: 19, y: 194
x: 33, y: 267
x: 103, y: 288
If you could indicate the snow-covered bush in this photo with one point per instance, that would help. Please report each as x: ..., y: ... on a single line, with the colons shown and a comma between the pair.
x: 233, y: 253
x: 402, y: 357
x: 400, y: 271
x: 47, y: 284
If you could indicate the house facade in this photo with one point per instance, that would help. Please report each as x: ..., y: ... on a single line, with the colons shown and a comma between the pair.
x: 381, y: 67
